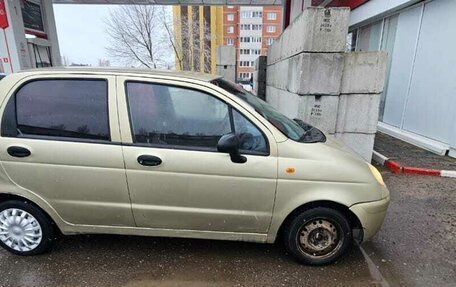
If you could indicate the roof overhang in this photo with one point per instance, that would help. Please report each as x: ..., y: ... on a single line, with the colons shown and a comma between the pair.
x: 174, y: 2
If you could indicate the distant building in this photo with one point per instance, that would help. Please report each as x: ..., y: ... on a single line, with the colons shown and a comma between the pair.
x: 198, y: 40
x: 104, y: 63
x: 251, y: 29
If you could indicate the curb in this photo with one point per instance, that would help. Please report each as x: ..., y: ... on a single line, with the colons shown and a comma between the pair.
x: 398, y: 168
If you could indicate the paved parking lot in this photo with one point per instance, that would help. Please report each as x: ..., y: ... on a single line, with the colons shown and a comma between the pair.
x: 416, y: 247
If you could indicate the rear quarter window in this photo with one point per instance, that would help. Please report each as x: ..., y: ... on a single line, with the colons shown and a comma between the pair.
x: 59, y: 108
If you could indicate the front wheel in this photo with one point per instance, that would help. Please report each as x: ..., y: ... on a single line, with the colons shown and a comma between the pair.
x: 318, y: 236
x: 24, y: 228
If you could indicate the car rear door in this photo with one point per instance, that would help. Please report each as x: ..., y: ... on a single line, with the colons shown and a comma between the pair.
x: 176, y: 177
x: 60, y: 140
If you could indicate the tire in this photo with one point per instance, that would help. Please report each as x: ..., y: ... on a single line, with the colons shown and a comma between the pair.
x: 34, y: 234
x: 318, y: 236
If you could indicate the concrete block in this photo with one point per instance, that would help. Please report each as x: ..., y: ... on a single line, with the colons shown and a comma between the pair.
x: 364, y: 72
x: 225, y: 55
x: 272, y: 96
x: 261, y: 63
x: 313, y: 74
x: 284, y: 101
x: 277, y: 75
x: 358, y: 113
x: 226, y: 71
x: 315, y: 30
x: 259, y: 83
x: 362, y: 144
x: 319, y: 111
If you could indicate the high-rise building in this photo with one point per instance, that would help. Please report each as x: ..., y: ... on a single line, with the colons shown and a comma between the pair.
x: 251, y: 29
x: 198, y: 31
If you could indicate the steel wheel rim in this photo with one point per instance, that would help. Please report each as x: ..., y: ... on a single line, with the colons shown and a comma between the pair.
x: 320, y: 238
x: 19, y: 230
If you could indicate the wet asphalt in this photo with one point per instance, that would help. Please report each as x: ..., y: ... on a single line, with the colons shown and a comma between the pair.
x: 415, y: 247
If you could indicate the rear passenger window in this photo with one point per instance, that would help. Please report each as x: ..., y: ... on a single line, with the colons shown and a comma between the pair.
x: 75, y: 109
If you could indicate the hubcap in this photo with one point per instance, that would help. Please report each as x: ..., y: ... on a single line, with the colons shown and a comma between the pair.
x: 19, y: 229
x: 319, y: 238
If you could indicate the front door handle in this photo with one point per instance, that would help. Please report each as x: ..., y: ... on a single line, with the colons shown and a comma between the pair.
x: 18, y: 151
x: 149, y: 160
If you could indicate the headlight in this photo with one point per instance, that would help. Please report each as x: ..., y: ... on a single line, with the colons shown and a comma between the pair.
x: 377, y: 174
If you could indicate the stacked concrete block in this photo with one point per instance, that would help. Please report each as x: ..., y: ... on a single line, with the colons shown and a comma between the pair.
x: 314, y: 73
x: 285, y: 101
x: 259, y: 77
x: 315, y: 30
x: 226, y: 62
x: 364, y: 73
x: 311, y: 77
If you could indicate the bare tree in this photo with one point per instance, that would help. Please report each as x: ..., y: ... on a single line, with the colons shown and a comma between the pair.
x: 137, y: 36
x: 190, y: 40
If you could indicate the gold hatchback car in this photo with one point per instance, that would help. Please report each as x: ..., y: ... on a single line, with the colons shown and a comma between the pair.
x: 173, y: 154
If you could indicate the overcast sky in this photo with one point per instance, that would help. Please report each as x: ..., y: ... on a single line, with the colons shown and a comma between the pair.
x: 81, y: 32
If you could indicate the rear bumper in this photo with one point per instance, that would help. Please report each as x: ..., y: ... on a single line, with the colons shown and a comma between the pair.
x: 371, y: 215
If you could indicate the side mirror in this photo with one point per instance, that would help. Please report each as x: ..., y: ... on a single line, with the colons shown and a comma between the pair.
x: 229, y: 143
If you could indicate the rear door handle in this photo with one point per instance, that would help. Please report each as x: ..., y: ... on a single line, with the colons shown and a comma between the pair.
x: 18, y: 151
x: 149, y: 160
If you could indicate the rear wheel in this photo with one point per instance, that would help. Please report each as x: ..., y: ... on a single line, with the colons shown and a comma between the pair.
x: 24, y: 228
x: 318, y: 236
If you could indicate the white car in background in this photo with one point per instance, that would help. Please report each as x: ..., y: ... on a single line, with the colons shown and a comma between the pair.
x: 247, y: 87
x: 2, y: 75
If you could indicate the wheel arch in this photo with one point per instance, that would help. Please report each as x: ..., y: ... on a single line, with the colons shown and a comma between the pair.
x: 353, y: 220
x: 8, y: 197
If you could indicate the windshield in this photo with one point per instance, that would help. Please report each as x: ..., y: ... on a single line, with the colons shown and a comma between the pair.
x: 296, y: 129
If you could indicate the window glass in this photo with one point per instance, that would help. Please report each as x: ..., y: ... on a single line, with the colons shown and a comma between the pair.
x: 62, y: 108
x: 369, y: 37
x: 250, y: 137
x: 271, y: 29
x: 165, y: 115
x: 293, y: 129
x: 272, y: 16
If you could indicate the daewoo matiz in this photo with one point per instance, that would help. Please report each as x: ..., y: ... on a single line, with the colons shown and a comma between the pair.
x: 177, y: 155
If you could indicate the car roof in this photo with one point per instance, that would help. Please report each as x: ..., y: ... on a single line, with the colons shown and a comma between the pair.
x: 127, y: 71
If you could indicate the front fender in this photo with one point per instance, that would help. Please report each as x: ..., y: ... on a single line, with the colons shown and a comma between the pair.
x: 292, y: 194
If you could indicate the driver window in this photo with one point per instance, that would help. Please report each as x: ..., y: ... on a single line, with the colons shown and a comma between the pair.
x: 174, y: 116
x: 250, y: 137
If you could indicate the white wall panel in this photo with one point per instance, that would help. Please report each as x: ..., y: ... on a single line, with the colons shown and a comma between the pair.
x: 401, y: 65
x: 431, y: 108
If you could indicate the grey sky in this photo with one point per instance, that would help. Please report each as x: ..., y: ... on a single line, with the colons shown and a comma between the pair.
x: 82, y: 33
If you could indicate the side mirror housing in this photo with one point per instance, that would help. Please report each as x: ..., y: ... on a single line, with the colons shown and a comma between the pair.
x: 229, y: 143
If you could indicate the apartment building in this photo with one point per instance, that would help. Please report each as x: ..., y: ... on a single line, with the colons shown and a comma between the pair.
x: 251, y: 30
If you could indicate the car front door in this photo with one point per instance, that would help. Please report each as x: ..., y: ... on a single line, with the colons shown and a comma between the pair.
x: 60, y: 140
x: 176, y: 177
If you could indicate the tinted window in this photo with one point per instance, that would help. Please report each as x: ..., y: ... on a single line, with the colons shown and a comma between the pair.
x: 166, y: 115
x: 250, y: 137
x: 60, y: 108
x: 294, y: 129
